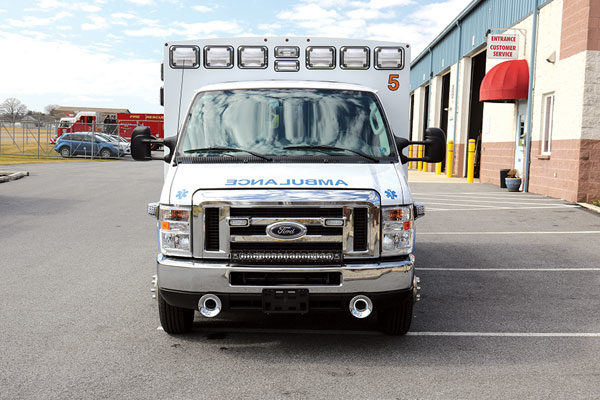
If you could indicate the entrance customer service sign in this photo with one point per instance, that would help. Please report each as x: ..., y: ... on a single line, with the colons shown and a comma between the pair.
x: 505, y: 47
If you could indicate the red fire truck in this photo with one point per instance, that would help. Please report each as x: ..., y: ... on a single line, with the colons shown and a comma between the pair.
x: 122, y: 124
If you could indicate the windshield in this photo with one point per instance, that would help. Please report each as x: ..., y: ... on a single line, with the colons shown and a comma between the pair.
x: 266, y: 121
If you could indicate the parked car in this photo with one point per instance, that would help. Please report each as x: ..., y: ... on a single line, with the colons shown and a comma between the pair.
x: 119, y: 141
x: 82, y: 143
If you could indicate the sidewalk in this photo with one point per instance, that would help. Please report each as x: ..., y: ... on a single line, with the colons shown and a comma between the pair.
x: 420, y: 176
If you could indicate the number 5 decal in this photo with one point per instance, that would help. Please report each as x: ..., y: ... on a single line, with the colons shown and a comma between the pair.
x: 393, y: 83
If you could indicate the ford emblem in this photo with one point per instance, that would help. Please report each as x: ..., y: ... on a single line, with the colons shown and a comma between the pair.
x: 286, y: 230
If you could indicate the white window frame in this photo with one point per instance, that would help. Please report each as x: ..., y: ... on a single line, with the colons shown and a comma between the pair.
x: 547, y: 124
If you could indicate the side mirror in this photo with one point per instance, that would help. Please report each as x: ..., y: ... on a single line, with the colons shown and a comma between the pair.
x: 140, y: 146
x: 170, y: 142
x: 142, y: 142
x: 435, y: 146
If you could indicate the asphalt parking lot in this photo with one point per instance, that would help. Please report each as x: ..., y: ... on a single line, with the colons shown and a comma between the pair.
x: 511, y: 301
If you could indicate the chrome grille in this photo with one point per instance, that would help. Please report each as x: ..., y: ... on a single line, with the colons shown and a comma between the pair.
x: 357, y: 211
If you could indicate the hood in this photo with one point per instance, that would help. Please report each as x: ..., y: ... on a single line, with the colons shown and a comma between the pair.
x: 387, y: 179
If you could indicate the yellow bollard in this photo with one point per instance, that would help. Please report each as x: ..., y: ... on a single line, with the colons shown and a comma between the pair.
x: 424, y: 166
x: 449, y: 156
x: 471, y: 161
x: 419, y: 155
x: 438, y: 168
x: 410, y: 163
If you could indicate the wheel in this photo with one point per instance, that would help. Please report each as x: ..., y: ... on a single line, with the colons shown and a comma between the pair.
x: 174, y: 320
x: 396, y: 319
x: 105, y: 153
x: 65, y: 152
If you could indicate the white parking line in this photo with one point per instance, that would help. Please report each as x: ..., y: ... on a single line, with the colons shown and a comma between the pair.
x: 417, y: 333
x: 508, y: 269
x: 509, y: 334
x: 433, y: 199
x: 503, y: 208
x: 512, y: 233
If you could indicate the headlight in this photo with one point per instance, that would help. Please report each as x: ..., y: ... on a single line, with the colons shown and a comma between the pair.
x: 398, y: 231
x: 174, y: 231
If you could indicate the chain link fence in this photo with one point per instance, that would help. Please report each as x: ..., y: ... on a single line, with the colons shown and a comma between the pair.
x: 39, y: 139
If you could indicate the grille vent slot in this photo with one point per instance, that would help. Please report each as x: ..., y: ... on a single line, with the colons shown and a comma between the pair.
x: 360, y: 229
x: 211, y: 229
x: 286, y: 212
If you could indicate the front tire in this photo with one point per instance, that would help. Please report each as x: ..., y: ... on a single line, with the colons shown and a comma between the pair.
x: 174, y: 320
x: 396, y: 319
x: 65, y: 152
x: 105, y: 153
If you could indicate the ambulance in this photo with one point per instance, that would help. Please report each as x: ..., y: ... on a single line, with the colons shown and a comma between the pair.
x: 285, y: 180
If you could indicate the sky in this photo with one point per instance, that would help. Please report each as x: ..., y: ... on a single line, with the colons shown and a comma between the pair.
x: 107, y: 53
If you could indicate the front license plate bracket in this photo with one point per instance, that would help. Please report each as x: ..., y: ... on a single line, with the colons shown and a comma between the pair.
x: 285, y: 301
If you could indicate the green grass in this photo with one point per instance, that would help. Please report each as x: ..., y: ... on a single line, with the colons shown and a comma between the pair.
x: 596, y: 203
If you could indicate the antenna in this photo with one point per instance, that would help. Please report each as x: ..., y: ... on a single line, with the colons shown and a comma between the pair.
x: 180, y: 94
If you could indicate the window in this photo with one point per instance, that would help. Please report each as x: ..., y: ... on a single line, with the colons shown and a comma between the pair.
x: 268, y: 121
x: 547, y: 123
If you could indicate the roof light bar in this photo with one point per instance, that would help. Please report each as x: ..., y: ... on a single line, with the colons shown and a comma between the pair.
x: 252, y: 56
x: 389, y: 57
x: 354, y: 57
x: 320, y: 57
x: 184, y: 57
x: 287, y: 51
x: 287, y: 65
x: 218, y: 57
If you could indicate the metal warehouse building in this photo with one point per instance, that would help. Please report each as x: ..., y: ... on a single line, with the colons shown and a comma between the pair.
x: 534, y: 107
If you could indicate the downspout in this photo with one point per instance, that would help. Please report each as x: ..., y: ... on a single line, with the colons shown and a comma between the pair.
x: 456, y: 92
x: 530, y: 97
x: 429, y: 99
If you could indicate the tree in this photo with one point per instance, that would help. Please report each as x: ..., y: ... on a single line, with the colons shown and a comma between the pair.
x: 12, y: 109
x: 50, y: 109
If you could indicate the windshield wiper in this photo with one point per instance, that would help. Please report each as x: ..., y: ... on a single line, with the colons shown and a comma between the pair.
x: 224, y: 149
x: 334, y: 148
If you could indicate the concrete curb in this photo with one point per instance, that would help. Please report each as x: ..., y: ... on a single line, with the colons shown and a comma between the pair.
x: 6, y: 176
x: 590, y: 207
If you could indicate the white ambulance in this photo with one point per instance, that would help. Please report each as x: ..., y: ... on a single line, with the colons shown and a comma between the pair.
x: 285, y: 184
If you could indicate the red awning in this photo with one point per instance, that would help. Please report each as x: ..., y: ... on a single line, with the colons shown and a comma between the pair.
x: 506, y: 82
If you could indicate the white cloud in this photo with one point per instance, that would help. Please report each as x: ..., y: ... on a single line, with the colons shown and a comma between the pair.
x: 141, y: 2
x: 123, y: 15
x: 90, y: 8
x: 308, y: 12
x: 114, y: 81
x: 379, y: 4
x: 202, y: 9
x: 46, y: 4
x: 96, y: 23
x: 184, y: 30
x: 2, y: 10
x: 30, y: 21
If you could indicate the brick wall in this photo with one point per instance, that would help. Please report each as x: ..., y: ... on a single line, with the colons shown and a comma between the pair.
x: 494, y: 157
x: 589, y: 171
x: 580, y: 27
x: 557, y: 175
x: 571, y: 172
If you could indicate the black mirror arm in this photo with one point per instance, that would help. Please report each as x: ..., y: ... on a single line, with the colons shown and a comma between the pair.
x: 167, y: 158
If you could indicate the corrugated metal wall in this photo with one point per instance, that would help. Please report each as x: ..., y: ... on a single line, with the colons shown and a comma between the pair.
x: 485, y: 15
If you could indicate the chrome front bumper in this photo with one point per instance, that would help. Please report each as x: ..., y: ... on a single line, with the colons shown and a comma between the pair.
x: 189, y: 275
